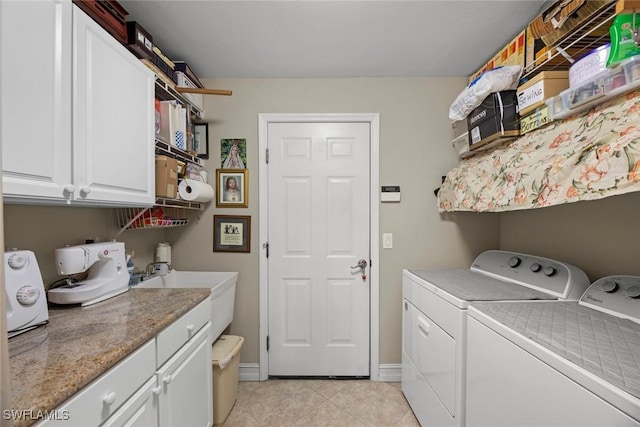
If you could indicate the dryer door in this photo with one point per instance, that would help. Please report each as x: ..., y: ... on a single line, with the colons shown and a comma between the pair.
x: 433, y: 352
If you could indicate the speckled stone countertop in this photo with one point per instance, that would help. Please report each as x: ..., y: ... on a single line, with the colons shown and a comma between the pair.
x: 52, y: 362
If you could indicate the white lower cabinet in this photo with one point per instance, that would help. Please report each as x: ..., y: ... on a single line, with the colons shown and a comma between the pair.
x: 104, y: 397
x: 139, y: 411
x: 145, y: 391
x: 186, y: 398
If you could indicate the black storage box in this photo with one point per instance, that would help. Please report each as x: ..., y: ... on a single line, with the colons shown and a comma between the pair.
x: 496, y: 118
x: 139, y: 41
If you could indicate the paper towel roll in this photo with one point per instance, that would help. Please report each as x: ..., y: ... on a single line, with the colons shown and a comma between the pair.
x: 195, y: 191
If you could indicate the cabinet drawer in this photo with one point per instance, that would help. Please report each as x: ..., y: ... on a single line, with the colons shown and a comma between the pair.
x: 139, y: 411
x: 100, y: 399
x: 179, y: 332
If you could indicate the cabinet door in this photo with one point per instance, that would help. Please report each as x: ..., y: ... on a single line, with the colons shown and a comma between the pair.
x: 186, y: 379
x: 113, y: 126
x: 139, y: 411
x: 35, y: 76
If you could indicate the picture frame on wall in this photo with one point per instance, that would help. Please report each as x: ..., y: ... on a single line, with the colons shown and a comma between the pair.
x: 233, y: 153
x: 201, y: 140
x: 232, y: 188
x: 232, y: 233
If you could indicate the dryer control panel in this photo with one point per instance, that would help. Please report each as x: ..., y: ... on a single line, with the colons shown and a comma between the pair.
x: 557, y: 278
x: 615, y: 295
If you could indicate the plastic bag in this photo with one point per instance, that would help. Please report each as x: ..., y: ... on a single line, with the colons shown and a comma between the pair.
x: 496, y: 80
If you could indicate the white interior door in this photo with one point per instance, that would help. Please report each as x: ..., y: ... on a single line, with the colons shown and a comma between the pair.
x: 318, y: 228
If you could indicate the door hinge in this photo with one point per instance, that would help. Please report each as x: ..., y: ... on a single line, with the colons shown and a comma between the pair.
x: 266, y: 248
x: 267, y: 342
x: 267, y: 155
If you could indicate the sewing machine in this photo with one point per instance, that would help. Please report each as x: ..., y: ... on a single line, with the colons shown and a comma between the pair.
x: 107, y: 273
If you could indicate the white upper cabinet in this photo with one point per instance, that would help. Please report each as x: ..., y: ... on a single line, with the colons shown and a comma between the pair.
x: 35, y: 79
x: 77, y: 110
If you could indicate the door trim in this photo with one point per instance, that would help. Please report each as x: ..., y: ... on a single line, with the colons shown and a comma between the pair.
x: 374, y: 180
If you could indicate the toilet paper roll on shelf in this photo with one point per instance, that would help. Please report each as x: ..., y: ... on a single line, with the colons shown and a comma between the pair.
x: 195, y: 191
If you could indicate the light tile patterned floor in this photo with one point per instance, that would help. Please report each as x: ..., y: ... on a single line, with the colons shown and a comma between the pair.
x: 322, y: 403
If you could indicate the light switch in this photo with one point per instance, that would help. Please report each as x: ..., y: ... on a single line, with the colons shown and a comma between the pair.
x: 387, y: 240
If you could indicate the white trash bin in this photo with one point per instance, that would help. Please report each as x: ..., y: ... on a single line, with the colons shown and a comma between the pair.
x: 226, y: 363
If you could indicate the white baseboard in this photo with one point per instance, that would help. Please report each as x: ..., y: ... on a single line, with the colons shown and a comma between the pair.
x: 390, y: 373
x: 249, y: 372
x: 387, y: 372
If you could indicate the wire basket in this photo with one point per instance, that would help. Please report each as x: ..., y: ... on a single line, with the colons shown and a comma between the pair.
x: 155, y: 217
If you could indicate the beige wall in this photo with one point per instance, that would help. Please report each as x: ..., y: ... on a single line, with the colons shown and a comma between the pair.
x: 415, y: 152
x: 45, y: 228
x: 601, y: 237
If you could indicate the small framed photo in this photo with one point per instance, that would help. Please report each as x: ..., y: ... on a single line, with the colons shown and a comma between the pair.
x: 201, y: 140
x: 231, y: 233
x: 232, y: 188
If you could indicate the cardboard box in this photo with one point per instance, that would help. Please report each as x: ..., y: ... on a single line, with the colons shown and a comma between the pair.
x: 166, y: 177
x: 535, y: 120
x: 537, y: 90
x: 513, y: 53
x: 495, y: 119
x: 557, y: 22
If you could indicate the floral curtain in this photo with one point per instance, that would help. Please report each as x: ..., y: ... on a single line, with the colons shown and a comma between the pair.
x: 589, y: 156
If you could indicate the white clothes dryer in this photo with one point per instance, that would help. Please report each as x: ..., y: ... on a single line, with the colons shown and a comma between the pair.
x: 435, y: 322
x: 562, y: 363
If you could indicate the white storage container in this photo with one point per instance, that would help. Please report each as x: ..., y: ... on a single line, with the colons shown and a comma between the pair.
x: 555, y: 107
x: 196, y: 99
x: 589, y: 66
x: 461, y: 145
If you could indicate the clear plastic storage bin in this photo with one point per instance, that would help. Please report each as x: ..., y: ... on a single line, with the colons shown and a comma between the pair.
x: 587, y: 92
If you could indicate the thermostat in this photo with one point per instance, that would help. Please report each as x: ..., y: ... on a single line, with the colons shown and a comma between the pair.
x: 390, y: 193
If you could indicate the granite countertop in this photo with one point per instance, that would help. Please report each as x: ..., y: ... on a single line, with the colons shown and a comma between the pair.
x: 52, y: 362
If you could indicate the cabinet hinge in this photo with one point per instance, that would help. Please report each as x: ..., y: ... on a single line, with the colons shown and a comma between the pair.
x: 267, y: 342
x: 266, y: 248
x: 267, y: 155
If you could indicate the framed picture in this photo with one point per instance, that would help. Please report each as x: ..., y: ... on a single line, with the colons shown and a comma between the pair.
x: 231, y: 233
x: 201, y: 140
x: 232, y: 188
x: 233, y: 153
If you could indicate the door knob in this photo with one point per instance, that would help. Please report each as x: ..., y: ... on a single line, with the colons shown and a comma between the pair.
x: 361, y: 264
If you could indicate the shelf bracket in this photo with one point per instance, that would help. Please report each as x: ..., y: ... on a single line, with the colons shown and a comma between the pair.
x: 131, y: 221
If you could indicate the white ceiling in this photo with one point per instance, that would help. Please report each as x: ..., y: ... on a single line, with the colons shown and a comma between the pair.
x: 321, y: 38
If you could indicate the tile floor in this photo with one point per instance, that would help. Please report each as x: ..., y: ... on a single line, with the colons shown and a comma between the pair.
x: 322, y: 403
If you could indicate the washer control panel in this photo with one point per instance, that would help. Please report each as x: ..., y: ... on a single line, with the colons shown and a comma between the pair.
x: 615, y: 295
x: 560, y: 279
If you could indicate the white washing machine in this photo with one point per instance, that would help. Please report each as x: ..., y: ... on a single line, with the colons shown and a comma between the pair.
x: 435, y: 322
x: 562, y: 363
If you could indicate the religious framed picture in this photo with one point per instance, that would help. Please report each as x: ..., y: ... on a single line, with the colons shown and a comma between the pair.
x: 232, y: 188
x: 233, y: 153
x: 231, y: 233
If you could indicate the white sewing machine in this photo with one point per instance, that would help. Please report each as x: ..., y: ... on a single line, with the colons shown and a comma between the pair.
x: 107, y: 273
